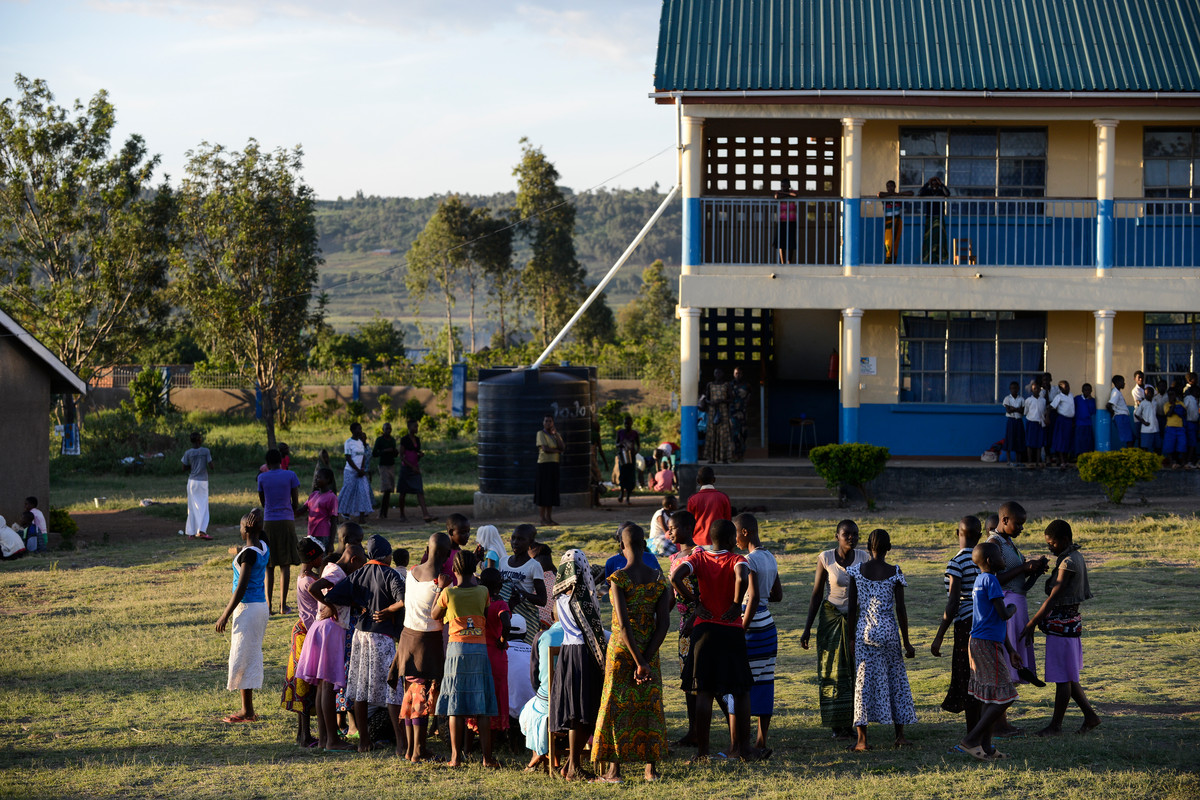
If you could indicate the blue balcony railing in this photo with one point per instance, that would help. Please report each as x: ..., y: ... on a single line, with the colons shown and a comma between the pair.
x: 1156, y: 233
x: 1005, y: 232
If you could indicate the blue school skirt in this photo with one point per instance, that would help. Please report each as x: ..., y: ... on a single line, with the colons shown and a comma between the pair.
x: 1085, y: 438
x: 1035, y: 434
x: 1064, y: 435
x: 1014, y: 433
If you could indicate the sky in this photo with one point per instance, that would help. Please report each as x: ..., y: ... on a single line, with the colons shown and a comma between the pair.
x: 388, y: 97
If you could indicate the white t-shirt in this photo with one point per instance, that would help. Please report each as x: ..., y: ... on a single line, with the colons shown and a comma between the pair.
x: 522, y: 576
x: 40, y: 520
x: 419, y: 597
x: 1145, y: 414
x: 1035, y: 410
x: 355, y: 449
x: 1117, y: 401
x: 1014, y: 407
x: 1065, y: 405
x: 765, y: 570
x: 1139, y: 394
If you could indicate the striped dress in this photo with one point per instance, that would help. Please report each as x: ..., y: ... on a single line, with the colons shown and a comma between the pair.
x: 762, y: 639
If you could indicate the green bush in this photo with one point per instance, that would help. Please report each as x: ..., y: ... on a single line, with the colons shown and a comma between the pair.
x: 387, y: 412
x: 412, y: 409
x: 1118, y: 470
x: 146, y: 391
x: 850, y: 465
x: 356, y: 410
x: 60, y: 522
x: 612, y: 413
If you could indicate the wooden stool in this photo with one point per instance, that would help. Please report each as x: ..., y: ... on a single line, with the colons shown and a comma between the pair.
x: 804, y: 424
x: 963, y: 254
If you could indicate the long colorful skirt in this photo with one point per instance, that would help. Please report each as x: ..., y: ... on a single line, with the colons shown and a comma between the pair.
x: 355, y: 497
x: 339, y: 702
x: 762, y: 647
x: 631, y: 727
x: 298, y: 696
x: 835, y: 680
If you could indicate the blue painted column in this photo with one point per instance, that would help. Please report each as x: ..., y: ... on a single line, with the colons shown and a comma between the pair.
x: 1104, y: 361
x: 851, y: 192
x: 355, y: 381
x: 692, y: 182
x: 851, y: 353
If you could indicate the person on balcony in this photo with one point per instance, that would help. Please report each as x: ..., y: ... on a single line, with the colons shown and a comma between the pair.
x: 935, y: 247
x: 789, y: 216
x: 893, y: 221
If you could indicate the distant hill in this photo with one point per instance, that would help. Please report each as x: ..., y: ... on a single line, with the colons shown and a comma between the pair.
x: 364, y: 241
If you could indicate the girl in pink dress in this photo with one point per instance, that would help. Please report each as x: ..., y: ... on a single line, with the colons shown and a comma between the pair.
x: 323, y: 658
x: 298, y: 695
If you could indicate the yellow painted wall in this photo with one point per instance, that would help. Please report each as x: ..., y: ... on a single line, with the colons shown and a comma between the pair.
x: 881, y: 155
x: 880, y: 338
x: 1071, y: 347
x: 1127, y: 344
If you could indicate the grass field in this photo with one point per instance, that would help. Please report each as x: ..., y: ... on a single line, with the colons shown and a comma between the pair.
x: 114, y: 686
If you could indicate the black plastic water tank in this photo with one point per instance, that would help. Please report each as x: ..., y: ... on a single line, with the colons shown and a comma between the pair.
x: 511, y: 408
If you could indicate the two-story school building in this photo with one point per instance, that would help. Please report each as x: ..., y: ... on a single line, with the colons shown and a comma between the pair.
x: 1067, y: 135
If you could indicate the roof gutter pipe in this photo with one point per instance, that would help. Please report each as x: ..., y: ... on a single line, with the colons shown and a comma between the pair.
x: 982, y: 95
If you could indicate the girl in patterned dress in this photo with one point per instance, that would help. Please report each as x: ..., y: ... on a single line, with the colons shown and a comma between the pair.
x: 631, y: 726
x: 680, y: 528
x: 881, y: 690
x: 298, y: 695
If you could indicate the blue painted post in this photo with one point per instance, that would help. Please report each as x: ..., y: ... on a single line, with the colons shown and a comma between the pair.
x: 458, y: 390
x: 355, y: 381
x: 257, y: 402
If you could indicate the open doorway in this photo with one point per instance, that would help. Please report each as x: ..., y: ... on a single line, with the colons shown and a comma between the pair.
x: 804, y: 378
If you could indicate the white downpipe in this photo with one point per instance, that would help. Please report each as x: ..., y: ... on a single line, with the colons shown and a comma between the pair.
x: 611, y: 274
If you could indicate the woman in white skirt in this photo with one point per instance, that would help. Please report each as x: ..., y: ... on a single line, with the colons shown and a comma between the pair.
x: 249, y: 612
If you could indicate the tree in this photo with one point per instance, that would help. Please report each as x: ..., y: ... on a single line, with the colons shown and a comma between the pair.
x: 84, y: 238
x: 491, y: 257
x: 438, y: 257
x: 597, y: 325
x: 653, y: 310
x: 249, y: 261
x: 552, y: 278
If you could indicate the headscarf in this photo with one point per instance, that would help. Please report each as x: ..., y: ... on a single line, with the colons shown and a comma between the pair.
x: 575, y: 579
x: 489, y: 537
x: 378, y: 548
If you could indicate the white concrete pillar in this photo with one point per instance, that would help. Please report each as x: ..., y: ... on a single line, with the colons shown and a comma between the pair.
x: 1102, y: 385
x: 1106, y: 143
x: 851, y: 353
x: 851, y: 192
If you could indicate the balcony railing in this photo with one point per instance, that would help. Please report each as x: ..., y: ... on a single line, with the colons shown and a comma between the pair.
x: 1156, y: 233
x: 755, y: 231
x: 1004, y: 231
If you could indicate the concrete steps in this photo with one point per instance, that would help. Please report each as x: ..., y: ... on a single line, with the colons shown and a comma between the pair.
x: 776, y: 486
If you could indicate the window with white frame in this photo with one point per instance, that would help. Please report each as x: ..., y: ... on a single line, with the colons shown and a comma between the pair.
x: 968, y: 356
x: 975, y: 161
x: 1171, y: 162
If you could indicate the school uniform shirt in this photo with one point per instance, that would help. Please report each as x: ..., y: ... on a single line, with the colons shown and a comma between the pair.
x: 1063, y: 405
x: 1014, y: 407
x: 963, y: 568
x: 372, y: 586
x: 276, y: 486
x: 1035, y: 410
x: 1190, y: 405
x: 1139, y: 394
x: 1085, y: 409
x: 716, y: 572
x: 985, y: 622
x: 1117, y: 401
x: 1146, y: 415
x: 1174, y: 420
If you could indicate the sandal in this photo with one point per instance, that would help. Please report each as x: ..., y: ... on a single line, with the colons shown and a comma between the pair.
x: 974, y: 752
x: 204, y: 536
x: 234, y: 718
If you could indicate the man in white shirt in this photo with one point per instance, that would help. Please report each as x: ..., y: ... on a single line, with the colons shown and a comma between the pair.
x: 1145, y: 414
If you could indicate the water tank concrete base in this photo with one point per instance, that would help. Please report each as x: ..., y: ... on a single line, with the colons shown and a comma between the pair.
x: 492, y: 506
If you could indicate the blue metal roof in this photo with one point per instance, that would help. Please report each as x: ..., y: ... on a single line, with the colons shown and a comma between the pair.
x: 937, y: 45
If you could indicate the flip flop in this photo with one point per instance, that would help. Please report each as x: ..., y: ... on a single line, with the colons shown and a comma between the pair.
x: 1029, y: 676
x: 974, y: 752
x: 234, y: 718
x: 204, y: 536
x: 603, y: 779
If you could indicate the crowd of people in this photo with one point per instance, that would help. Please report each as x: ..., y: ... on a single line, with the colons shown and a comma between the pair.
x: 484, y: 643
x: 1044, y: 424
